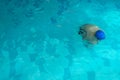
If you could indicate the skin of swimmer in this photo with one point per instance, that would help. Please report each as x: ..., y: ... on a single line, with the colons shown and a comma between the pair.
x: 88, y: 34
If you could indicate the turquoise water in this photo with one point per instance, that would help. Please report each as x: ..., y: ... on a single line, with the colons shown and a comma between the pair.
x: 39, y: 40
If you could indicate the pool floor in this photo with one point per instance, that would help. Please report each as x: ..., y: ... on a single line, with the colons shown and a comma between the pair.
x: 39, y: 40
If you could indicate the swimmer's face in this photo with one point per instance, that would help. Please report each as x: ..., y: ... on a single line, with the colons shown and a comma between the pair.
x: 82, y: 32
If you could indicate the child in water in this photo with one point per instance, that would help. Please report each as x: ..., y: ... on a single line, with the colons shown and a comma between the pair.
x: 92, y: 34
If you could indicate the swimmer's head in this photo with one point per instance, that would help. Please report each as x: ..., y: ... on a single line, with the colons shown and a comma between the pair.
x: 100, y: 35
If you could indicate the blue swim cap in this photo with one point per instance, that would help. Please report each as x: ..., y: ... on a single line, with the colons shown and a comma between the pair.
x: 100, y: 35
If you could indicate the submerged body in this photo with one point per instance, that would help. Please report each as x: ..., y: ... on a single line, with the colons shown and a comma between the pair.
x: 91, y: 33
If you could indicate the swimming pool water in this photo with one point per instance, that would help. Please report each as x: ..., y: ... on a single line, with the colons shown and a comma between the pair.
x: 39, y: 40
